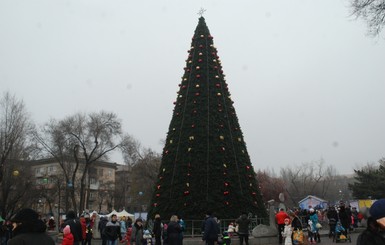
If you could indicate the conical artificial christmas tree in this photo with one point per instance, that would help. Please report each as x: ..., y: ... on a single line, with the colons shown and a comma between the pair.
x: 205, y: 165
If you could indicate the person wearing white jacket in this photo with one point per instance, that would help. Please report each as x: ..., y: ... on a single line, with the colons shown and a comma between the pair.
x: 287, y: 231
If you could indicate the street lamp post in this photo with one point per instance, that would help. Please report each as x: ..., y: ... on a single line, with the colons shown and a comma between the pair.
x: 140, y: 203
x: 341, y: 195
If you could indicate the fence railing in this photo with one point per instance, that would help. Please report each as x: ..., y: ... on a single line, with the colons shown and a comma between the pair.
x: 194, y: 227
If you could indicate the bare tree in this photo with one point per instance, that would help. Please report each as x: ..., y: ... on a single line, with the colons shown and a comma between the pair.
x: 144, y: 165
x: 16, y: 129
x: 80, y: 140
x: 17, y: 191
x: 307, y: 179
x: 372, y: 11
x: 144, y: 176
x: 270, y: 185
x: 62, y: 147
x: 131, y: 150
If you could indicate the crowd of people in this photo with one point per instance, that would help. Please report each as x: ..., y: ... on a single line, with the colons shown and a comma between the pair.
x: 341, y: 219
x: 26, y: 227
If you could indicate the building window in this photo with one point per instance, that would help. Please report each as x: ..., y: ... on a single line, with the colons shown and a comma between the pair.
x: 109, y: 173
x: 92, y: 181
x: 51, y: 169
x: 100, y: 172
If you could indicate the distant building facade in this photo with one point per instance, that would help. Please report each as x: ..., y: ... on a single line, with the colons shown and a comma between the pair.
x: 48, y: 177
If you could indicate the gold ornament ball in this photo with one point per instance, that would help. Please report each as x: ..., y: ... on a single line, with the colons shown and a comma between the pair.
x: 15, y: 173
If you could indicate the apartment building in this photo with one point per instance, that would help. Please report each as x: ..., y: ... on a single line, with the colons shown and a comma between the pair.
x: 48, y: 178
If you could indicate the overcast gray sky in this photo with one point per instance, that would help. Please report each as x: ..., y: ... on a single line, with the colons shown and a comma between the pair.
x: 306, y: 81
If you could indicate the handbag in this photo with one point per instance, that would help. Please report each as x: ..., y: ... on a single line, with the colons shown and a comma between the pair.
x: 298, y: 237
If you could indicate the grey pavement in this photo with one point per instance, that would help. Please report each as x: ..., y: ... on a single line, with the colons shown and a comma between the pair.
x: 253, y: 241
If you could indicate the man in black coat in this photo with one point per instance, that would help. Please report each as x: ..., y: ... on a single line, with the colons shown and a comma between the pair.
x: 76, y: 227
x: 101, y: 227
x: 29, y: 229
x: 243, y: 228
x: 211, y: 232
x: 112, y: 230
x: 344, y: 218
x: 157, y: 230
x: 332, y: 216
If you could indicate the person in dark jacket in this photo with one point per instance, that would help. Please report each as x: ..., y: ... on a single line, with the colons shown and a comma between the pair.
x: 372, y: 235
x: 210, y: 235
x: 375, y: 232
x: 182, y: 225
x: 173, y: 231
x: 243, y: 228
x: 157, y: 230
x: 75, y: 226
x: 137, y: 232
x: 29, y: 229
x: 112, y: 231
x: 332, y: 216
x: 101, y: 227
x: 296, y: 223
x: 344, y: 218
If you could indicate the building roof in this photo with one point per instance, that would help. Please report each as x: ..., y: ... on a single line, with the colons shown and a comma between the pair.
x: 312, y: 197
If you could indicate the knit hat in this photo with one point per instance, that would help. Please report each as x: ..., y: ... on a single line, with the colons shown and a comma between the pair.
x: 25, y: 215
x: 377, y: 210
x: 287, y: 220
x: 67, y: 230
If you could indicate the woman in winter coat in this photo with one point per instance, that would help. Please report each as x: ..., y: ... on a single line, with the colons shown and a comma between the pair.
x: 123, y: 226
x: 158, y: 226
x: 29, y: 229
x: 137, y: 232
x: 314, y: 219
x: 173, y: 230
x: 68, y: 238
x: 296, y: 223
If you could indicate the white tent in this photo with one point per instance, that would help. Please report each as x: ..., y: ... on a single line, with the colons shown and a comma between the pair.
x: 113, y: 212
x: 121, y: 214
x: 126, y: 214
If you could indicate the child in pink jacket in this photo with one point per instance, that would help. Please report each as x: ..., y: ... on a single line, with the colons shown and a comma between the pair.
x: 68, y: 238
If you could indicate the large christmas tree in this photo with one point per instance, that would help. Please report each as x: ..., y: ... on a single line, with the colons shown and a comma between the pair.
x: 205, y: 163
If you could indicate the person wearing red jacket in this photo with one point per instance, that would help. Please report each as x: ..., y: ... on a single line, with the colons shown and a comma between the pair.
x: 127, y: 237
x: 84, y: 228
x: 280, y: 220
x: 68, y: 238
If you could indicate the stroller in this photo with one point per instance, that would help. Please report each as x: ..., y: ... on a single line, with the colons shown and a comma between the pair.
x: 147, y: 238
x: 341, y: 234
x: 226, y: 239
